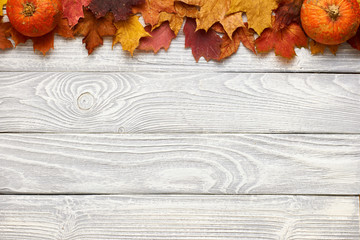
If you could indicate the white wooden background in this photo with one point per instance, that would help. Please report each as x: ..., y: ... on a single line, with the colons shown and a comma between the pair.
x: 160, y: 147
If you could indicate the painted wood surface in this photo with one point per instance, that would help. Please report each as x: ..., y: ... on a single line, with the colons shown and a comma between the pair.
x: 178, y: 217
x: 71, y: 55
x: 187, y: 102
x: 187, y: 163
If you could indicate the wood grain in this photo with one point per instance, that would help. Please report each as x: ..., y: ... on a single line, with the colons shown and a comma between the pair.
x: 71, y: 55
x: 169, y: 103
x: 187, y: 163
x: 178, y: 217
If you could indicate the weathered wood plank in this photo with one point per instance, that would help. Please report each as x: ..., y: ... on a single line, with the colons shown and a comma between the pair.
x: 200, y: 164
x: 178, y: 217
x: 167, y: 103
x: 71, y: 55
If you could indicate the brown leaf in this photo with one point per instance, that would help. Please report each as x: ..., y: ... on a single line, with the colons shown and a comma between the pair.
x: 4, y: 34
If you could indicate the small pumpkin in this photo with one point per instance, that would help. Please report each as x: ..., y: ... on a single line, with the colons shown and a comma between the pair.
x: 330, y: 22
x: 34, y: 18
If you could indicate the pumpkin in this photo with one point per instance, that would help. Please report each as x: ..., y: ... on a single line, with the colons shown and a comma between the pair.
x: 34, y: 18
x: 330, y: 22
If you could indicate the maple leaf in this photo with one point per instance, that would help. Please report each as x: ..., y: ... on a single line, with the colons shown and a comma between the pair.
x: 129, y: 33
x: 288, y: 12
x: 185, y: 10
x: 94, y: 29
x: 151, y: 10
x: 73, y: 10
x: 194, y: 2
x: 283, y: 41
x: 46, y: 42
x: 161, y: 37
x: 355, y: 40
x: 230, y: 46
x: 2, y: 3
x: 120, y: 8
x: 175, y: 21
x: 232, y: 22
x: 258, y: 12
x: 202, y: 43
x: 212, y: 11
x: 4, y: 34
x: 317, y: 48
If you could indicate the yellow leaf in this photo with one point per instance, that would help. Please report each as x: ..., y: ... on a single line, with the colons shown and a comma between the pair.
x: 258, y: 12
x: 2, y: 3
x: 232, y: 22
x: 194, y: 2
x: 211, y: 12
x: 129, y: 33
x: 175, y: 21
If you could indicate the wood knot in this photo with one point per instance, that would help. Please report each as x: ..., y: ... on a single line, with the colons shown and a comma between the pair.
x: 85, y: 101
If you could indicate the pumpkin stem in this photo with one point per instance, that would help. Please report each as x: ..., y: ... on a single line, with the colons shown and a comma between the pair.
x: 333, y: 12
x: 29, y: 9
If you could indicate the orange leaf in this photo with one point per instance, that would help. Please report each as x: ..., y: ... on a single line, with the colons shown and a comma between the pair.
x: 44, y: 43
x: 282, y: 41
x: 94, y: 29
x: 185, y: 10
x: 175, y: 21
x: 211, y: 12
x: 317, y: 48
x: 73, y: 10
x: 4, y: 34
x: 232, y: 22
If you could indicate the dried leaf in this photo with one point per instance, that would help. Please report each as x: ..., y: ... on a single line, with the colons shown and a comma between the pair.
x: 120, y: 8
x: 175, y: 21
x: 288, y: 12
x: 317, y: 48
x: 129, y: 33
x: 161, y: 37
x: 355, y: 41
x: 185, y: 10
x: 211, y: 12
x: 202, y: 43
x: 232, y: 22
x: 73, y: 10
x: 2, y: 3
x: 258, y: 12
x: 94, y: 29
x: 4, y: 34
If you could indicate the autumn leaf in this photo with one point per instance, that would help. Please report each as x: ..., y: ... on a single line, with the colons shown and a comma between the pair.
x: 232, y: 22
x: 317, y: 48
x: 194, y: 2
x: 94, y: 29
x: 175, y: 21
x: 161, y: 37
x: 288, y: 12
x: 121, y: 9
x: 211, y: 12
x: 4, y: 34
x: 129, y: 33
x: 258, y: 12
x: 355, y: 41
x: 185, y: 10
x: 283, y: 41
x: 73, y: 10
x: 230, y: 46
x: 2, y: 3
x: 202, y: 43
x: 46, y: 42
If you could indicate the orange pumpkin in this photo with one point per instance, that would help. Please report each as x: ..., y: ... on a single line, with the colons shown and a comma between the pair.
x: 34, y: 18
x: 330, y: 22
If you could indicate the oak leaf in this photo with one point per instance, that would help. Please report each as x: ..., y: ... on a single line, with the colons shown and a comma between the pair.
x: 211, y: 12
x: 2, y: 3
x: 317, y: 48
x: 161, y: 37
x: 283, y: 41
x: 73, y: 10
x: 230, y: 46
x: 121, y: 9
x: 94, y: 29
x: 46, y: 42
x: 202, y: 43
x: 4, y: 34
x: 258, y: 12
x: 129, y: 33
x: 175, y: 21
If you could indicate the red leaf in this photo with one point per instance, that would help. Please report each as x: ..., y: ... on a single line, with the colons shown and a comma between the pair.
x: 161, y: 37
x: 121, y: 9
x: 355, y: 40
x: 288, y: 12
x: 73, y: 10
x: 4, y: 34
x: 202, y: 43
x: 282, y: 41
